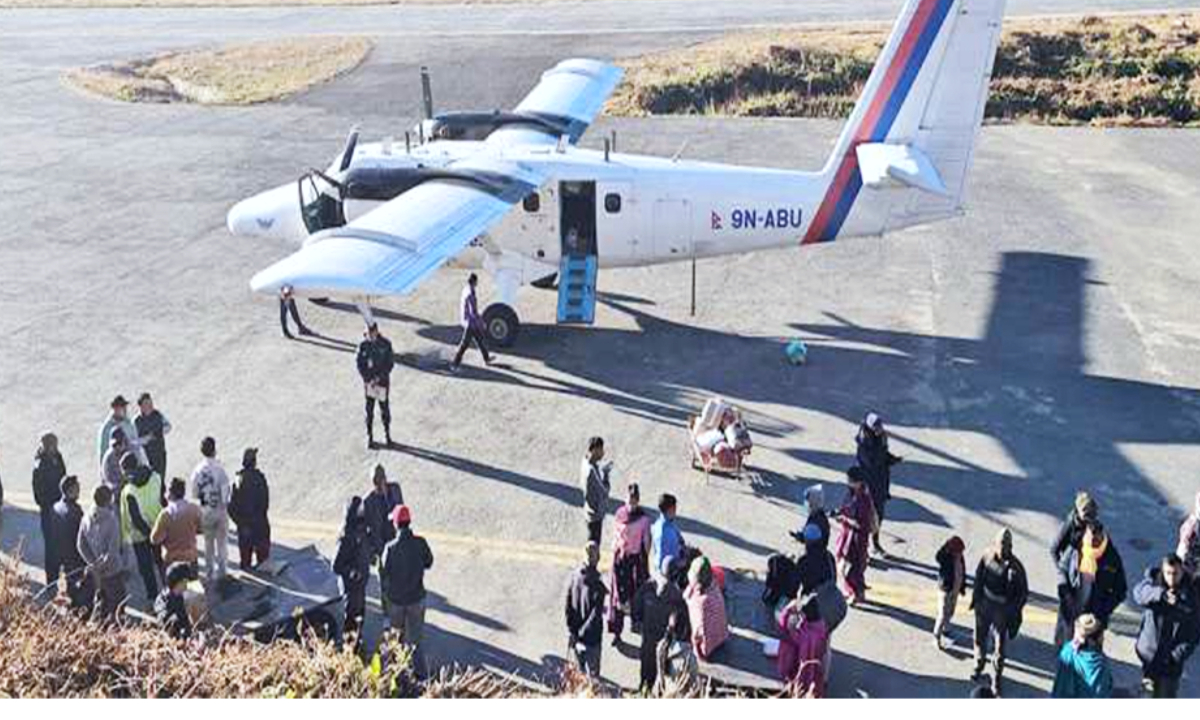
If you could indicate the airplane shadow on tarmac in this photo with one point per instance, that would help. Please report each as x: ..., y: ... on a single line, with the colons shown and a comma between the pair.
x: 1024, y: 384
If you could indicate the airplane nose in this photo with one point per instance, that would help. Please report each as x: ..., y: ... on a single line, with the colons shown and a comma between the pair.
x: 272, y: 214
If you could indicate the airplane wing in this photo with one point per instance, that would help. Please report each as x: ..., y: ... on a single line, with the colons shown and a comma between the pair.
x: 569, y: 97
x: 391, y: 249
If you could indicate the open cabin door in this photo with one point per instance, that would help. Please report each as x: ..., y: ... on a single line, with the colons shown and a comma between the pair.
x: 578, y: 266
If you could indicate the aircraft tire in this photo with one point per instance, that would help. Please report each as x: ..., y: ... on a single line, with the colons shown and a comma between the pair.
x: 501, y: 324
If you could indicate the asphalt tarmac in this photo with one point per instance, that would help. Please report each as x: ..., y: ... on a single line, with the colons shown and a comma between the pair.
x: 1043, y: 343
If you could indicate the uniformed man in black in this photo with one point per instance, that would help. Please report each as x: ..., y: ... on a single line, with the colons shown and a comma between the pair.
x: 375, y: 362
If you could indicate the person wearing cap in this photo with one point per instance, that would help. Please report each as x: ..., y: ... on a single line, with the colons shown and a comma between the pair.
x: 119, y: 418
x: 210, y: 486
x: 402, y: 579
x: 249, y: 501
x: 1070, y: 533
x: 110, y: 464
x: 952, y: 582
x: 152, y: 428
x: 1170, y: 626
x: 998, y: 599
x: 48, y: 472
x: 1083, y: 669
x: 141, y: 504
x: 854, y: 517
x: 594, y: 481
x: 68, y: 515
x: 352, y: 565
x: 375, y: 362
x: 585, y: 613
x: 177, y: 526
x: 472, y: 325
x: 655, y: 604
x: 99, y: 544
x: 1091, y: 580
x: 876, y: 462
x: 287, y: 305
x: 170, y: 610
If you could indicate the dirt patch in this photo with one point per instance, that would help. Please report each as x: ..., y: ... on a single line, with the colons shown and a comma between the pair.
x: 1118, y: 70
x: 230, y: 75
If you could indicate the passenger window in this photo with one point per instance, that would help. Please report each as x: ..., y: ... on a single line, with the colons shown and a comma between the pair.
x: 612, y: 203
x: 532, y: 202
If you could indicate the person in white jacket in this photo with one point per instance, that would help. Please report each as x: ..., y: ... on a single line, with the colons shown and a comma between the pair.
x: 211, y: 488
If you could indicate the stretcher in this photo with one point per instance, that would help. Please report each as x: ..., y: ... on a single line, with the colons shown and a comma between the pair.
x: 719, y: 440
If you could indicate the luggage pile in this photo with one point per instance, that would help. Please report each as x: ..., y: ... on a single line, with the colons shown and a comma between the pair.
x: 719, y: 439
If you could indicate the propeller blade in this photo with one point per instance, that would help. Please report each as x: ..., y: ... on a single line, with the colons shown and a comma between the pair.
x: 348, y: 152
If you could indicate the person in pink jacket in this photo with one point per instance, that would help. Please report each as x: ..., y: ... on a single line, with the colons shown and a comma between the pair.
x: 803, y: 649
x: 631, y: 560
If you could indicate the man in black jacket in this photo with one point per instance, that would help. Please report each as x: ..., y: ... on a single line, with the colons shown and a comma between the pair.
x: 48, y: 471
x: 654, y: 606
x: 377, y: 510
x: 1070, y: 533
x: 876, y: 461
x: 1000, y: 593
x: 375, y: 363
x: 249, y: 502
x: 66, y: 519
x: 1170, y: 625
x: 402, y: 580
x: 1091, y: 579
x: 585, y: 613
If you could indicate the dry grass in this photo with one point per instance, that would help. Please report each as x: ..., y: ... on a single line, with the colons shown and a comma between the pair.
x: 231, y: 75
x: 1118, y: 70
x: 45, y: 651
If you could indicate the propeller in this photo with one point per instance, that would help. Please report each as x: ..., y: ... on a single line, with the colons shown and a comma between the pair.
x: 348, y: 152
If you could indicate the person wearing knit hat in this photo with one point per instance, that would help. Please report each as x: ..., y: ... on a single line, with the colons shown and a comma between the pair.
x: 1000, y: 593
x: 1083, y: 669
x: 1084, y: 512
x: 952, y: 582
x: 402, y: 582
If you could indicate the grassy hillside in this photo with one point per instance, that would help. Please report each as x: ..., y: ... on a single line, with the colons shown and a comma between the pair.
x: 1120, y: 70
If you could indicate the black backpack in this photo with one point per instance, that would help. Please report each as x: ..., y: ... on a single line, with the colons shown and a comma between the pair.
x: 783, y: 580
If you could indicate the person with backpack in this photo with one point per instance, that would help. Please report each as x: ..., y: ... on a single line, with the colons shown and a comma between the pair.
x: 855, y: 516
x: 952, y: 582
x: 1091, y: 579
x: 352, y: 565
x: 1170, y: 625
x: 630, y: 560
x: 876, y: 461
x: 249, y: 502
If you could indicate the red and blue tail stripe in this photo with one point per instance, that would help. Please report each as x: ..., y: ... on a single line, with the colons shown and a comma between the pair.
x: 877, y: 121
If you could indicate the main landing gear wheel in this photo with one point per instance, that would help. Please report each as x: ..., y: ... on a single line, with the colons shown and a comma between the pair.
x: 502, y: 325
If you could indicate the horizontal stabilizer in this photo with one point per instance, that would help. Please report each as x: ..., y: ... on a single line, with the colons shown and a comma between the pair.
x: 885, y: 164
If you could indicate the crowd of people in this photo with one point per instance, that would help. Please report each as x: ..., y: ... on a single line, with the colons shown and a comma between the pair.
x: 672, y: 593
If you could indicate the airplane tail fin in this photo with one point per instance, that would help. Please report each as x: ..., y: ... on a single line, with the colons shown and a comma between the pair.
x: 904, y: 155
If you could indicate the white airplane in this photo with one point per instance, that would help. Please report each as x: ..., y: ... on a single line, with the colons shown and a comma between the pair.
x: 513, y: 194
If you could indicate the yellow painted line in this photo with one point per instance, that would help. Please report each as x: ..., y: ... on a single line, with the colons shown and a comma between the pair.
x: 904, y: 597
